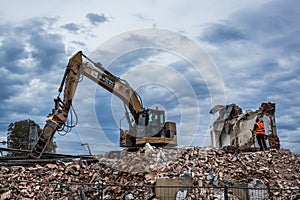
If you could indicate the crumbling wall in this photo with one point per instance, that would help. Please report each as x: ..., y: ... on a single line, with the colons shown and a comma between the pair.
x: 234, y: 127
x: 223, y: 125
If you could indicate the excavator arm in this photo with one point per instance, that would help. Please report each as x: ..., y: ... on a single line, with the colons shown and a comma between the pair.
x: 57, y: 120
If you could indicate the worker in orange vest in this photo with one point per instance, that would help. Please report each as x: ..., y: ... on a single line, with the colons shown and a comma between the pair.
x: 260, y: 134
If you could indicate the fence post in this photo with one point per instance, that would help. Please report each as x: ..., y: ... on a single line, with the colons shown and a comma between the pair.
x: 100, y: 190
x: 225, y: 192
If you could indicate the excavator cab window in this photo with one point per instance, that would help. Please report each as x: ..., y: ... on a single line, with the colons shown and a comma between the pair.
x: 150, y: 122
x: 156, y: 117
x: 142, y: 120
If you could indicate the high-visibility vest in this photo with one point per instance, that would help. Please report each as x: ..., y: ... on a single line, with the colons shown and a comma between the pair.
x: 260, y: 128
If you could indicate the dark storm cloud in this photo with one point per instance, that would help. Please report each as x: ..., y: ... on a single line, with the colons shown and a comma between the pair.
x: 81, y: 44
x: 194, y: 78
x: 222, y: 32
x: 49, y: 49
x: 272, y: 19
x: 11, y: 50
x: 96, y: 19
x: 28, y: 52
x: 72, y: 27
x: 271, y: 25
x: 42, y: 25
x: 131, y: 59
x: 45, y: 48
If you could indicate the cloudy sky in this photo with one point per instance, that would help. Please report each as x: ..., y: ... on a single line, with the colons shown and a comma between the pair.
x: 184, y: 57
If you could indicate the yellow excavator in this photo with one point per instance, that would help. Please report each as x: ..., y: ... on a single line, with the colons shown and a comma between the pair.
x: 145, y: 126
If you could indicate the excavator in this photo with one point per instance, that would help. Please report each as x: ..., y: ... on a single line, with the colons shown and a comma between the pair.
x: 145, y: 126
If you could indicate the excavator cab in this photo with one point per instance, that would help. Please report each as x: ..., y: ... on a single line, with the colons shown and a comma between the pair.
x: 151, y: 123
x: 152, y: 128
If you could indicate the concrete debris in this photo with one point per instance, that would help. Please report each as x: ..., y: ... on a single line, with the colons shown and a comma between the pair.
x: 208, y: 166
x: 233, y: 127
x: 212, y: 179
x: 129, y: 197
x: 181, y: 195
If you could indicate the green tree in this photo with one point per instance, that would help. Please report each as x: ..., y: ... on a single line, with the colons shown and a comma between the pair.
x: 20, y: 135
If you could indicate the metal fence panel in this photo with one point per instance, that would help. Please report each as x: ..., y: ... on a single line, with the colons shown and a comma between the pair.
x: 22, y: 189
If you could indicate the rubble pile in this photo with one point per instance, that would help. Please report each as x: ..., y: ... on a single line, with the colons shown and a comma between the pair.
x: 203, y: 166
